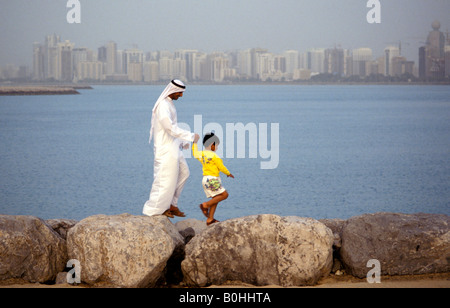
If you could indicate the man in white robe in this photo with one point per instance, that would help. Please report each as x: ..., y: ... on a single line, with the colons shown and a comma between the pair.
x: 170, y: 168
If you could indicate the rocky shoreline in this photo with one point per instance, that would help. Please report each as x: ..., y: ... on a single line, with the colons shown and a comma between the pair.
x: 139, y: 251
x: 40, y: 90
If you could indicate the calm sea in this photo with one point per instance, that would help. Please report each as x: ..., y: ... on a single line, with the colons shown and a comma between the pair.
x: 343, y: 150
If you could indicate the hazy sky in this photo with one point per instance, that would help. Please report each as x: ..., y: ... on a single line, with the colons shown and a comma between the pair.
x: 219, y: 25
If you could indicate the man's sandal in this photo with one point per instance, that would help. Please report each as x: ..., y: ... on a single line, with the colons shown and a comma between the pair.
x: 168, y: 214
x: 175, y: 211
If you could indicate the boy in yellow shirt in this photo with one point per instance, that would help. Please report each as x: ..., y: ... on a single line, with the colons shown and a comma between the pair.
x: 212, y: 166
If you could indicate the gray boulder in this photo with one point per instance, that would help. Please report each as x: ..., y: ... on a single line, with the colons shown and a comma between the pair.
x: 30, y: 250
x: 197, y: 225
x: 403, y: 244
x: 123, y: 250
x: 260, y: 250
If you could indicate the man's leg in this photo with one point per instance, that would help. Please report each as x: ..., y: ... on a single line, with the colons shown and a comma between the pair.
x: 183, y: 175
x: 163, y: 187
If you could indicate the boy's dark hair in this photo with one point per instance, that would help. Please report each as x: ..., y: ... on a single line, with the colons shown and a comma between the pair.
x: 209, y: 139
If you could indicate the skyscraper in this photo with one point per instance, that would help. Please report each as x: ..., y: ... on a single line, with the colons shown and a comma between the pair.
x: 64, y: 70
x: 390, y: 53
x: 334, y: 61
x: 434, y: 53
x: 316, y: 61
x: 38, y: 62
x: 447, y: 61
x: 51, y: 56
x: 111, y: 60
x: 292, y: 61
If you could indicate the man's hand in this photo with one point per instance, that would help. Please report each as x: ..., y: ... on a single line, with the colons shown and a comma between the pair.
x: 196, y: 137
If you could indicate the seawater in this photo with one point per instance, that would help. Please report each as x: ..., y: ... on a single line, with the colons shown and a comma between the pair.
x: 343, y: 151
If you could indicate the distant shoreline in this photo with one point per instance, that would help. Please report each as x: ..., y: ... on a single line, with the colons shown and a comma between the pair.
x: 40, y: 90
x: 72, y: 88
x: 77, y: 86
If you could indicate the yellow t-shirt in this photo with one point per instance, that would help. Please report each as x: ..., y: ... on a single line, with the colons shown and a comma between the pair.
x: 211, y: 162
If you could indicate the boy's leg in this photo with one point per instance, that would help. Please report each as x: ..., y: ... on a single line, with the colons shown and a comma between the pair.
x: 212, y: 210
x: 215, y: 200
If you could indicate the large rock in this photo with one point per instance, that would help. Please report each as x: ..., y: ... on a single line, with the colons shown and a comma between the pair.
x: 260, y: 250
x: 61, y: 226
x: 123, y: 250
x: 30, y: 250
x: 197, y: 225
x: 403, y: 244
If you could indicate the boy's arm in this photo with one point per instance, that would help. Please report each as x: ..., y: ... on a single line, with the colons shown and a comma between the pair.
x: 219, y: 163
x: 195, y: 152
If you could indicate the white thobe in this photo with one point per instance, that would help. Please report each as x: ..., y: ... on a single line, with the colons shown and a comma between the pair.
x: 170, y: 168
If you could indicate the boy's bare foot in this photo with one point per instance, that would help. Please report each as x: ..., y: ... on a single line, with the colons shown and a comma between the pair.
x: 204, y: 210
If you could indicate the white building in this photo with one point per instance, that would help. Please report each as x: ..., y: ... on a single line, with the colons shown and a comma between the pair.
x: 316, y: 60
x: 362, y: 58
x: 390, y: 53
x: 292, y: 61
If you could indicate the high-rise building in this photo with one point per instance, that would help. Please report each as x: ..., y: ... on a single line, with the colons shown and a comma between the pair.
x: 434, y: 53
x: 279, y: 63
x: 89, y: 70
x: 132, y: 64
x: 447, y: 61
x: 362, y: 58
x: 217, y: 63
x: 165, y: 66
x: 111, y: 58
x: 265, y: 68
x: 179, y: 69
x: 316, y: 60
x: 254, y: 52
x: 38, y: 62
x: 51, y: 56
x: 245, y: 64
x: 402, y: 66
x: 151, y: 71
x: 292, y: 61
x: 390, y: 53
x: 81, y: 54
x: 190, y: 57
x: 334, y: 61
x: 64, y: 61
x: 422, y: 60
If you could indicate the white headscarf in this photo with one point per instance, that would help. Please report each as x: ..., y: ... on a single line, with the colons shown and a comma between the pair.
x: 175, y: 86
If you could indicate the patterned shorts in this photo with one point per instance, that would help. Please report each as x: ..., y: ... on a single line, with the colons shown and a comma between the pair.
x: 212, y: 186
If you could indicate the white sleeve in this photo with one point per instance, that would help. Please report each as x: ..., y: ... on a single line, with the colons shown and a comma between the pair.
x: 163, y: 115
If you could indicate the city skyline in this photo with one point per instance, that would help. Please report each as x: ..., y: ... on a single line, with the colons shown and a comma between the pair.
x: 220, y: 26
x: 57, y: 59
